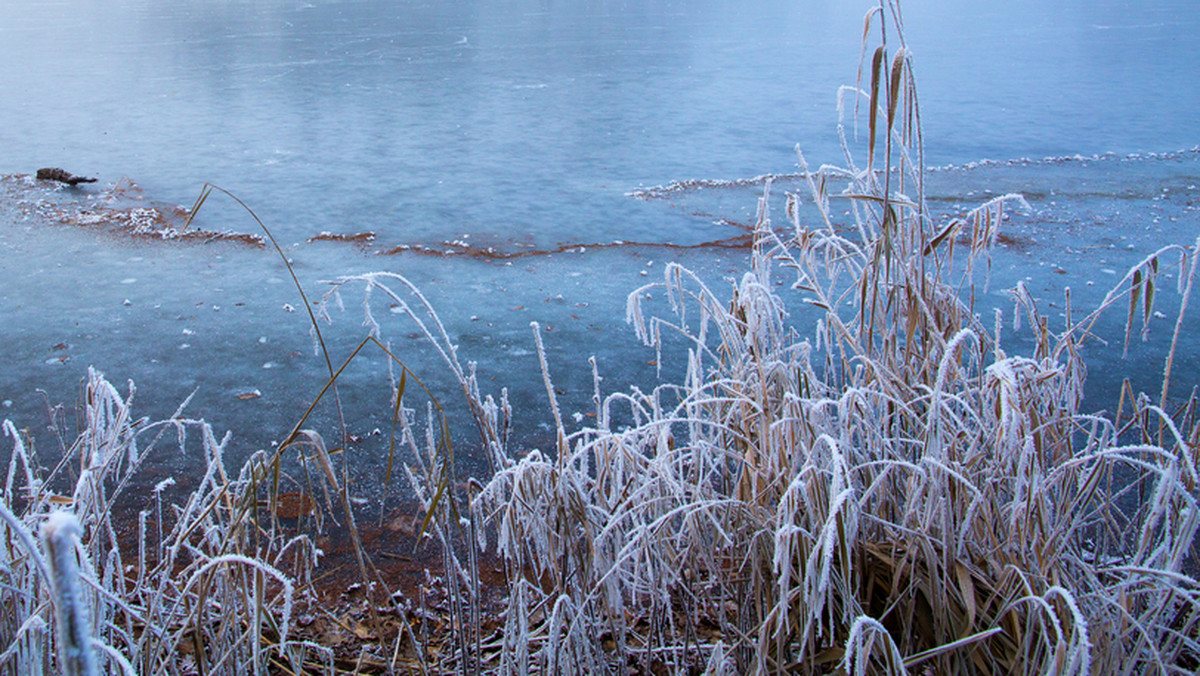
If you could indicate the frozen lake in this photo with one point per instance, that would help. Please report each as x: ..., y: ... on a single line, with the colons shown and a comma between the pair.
x: 522, y: 127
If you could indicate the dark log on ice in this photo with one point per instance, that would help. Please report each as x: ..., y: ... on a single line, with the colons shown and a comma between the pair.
x: 62, y: 175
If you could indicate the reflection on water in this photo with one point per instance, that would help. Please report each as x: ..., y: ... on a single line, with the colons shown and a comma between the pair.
x: 511, y: 141
x: 427, y: 120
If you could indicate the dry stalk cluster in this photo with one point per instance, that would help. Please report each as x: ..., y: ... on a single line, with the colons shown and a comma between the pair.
x: 883, y: 490
x: 204, y: 591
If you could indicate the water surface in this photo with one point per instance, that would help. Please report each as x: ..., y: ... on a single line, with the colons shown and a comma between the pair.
x: 523, y: 126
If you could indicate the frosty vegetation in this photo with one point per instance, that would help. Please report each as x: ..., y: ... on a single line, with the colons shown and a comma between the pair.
x: 886, y: 490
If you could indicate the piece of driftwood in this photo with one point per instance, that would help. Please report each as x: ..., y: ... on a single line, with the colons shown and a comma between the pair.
x: 63, y: 176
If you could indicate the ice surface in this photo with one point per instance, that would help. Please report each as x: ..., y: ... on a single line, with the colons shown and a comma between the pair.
x: 505, y: 162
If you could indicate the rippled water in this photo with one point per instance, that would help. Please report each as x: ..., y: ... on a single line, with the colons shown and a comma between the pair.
x: 516, y: 127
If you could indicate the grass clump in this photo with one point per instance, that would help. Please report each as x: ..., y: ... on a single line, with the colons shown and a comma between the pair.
x: 893, y: 492
x: 202, y: 593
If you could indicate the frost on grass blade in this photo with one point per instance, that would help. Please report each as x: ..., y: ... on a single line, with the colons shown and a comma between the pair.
x: 74, y: 635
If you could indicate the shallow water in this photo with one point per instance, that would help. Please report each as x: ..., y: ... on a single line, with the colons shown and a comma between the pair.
x: 524, y: 127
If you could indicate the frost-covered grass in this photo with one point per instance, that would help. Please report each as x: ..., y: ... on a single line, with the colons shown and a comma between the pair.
x: 885, y: 489
x: 204, y: 580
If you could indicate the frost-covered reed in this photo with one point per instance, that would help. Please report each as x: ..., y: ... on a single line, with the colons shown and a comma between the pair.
x: 877, y: 485
x: 202, y: 593
x: 75, y: 650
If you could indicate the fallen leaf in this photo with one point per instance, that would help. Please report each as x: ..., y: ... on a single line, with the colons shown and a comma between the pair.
x: 361, y: 631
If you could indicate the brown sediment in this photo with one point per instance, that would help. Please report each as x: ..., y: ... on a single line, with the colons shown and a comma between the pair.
x: 294, y: 505
x: 456, y: 249
x: 346, y: 615
x: 1017, y: 243
x: 121, y: 209
x: 406, y: 591
x: 404, y: 594
x: 159, y: 222
x: 1014, y: 242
